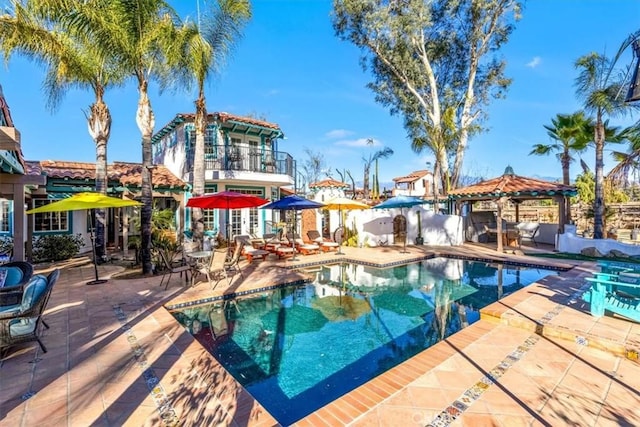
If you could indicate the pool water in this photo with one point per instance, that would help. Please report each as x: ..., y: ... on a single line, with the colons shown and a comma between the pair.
x: 295, y: 349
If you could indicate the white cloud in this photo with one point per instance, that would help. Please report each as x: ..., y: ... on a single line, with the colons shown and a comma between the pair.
x: 360, y: 142
x: 338, y: 133
x: 272, y: 92
x: 534, y: 62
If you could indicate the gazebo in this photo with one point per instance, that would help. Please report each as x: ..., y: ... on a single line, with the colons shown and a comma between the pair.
x: 516, y: 188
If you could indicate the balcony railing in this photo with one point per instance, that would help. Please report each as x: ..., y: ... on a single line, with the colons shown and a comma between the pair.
x: 249, y: 159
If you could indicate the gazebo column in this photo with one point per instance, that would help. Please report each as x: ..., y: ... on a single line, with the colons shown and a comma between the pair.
x: 500, y: 204
x: 561, y: 212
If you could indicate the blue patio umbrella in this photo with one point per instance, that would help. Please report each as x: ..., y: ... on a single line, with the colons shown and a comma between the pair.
x: 293, y: 203
x: 401, y: 202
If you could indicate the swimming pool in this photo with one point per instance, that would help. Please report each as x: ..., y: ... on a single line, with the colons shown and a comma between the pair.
x: 296, y: 349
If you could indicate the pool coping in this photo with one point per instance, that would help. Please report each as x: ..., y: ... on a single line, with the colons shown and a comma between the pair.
x: 354, y: 260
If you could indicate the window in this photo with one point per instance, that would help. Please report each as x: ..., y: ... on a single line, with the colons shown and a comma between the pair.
x: 209, y: 219
x: 209, y: 142
x: 5, y: 210
x: 49, y: 221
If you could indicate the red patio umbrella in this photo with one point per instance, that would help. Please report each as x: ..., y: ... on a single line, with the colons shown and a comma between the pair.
x: 226, y: 200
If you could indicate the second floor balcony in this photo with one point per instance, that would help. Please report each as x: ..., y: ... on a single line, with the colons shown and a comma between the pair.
x: 249, y: 159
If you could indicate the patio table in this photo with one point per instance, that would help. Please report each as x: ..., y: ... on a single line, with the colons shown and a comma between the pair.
x: 201, y: 261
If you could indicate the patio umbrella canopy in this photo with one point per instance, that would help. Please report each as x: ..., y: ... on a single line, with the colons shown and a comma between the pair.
x: 338, y: 308
x: 293, y: 203
x: 226, y: 200
x: 83, y: 201
x: 340, y: 203
x: 401, y: 202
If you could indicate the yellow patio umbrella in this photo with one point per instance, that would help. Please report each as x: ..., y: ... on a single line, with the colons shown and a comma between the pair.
x: 341, y: 307
x: 340, y: 203
x: 82, y: 201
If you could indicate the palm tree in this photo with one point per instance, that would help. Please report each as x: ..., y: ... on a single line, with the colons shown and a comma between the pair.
x: 627, y: 162
x: 569, y: 134
x: 139, y: 33
x: 601, y: 88
x: 203, y: 48
x: 73, y: 60
x: 380, y: 154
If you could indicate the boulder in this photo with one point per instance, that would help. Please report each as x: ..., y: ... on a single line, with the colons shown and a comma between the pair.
x: 591, y: 251
x: 614, y: 253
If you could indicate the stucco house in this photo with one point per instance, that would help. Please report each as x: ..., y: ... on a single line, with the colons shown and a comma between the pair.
x: 15, y: 184
x: 241, y: 154
x: 418, y: 183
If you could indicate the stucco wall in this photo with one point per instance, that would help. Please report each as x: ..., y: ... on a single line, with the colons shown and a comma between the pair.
x: 570, y: 243
x: 376, y: 226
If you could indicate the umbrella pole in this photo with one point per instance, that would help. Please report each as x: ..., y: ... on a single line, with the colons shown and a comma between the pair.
x: 406, y: 234
x: 295, y: 224
x: 342, y: 237
x: 97, y: 280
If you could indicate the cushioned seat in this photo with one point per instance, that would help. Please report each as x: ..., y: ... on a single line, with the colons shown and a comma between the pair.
x: 21, y: 324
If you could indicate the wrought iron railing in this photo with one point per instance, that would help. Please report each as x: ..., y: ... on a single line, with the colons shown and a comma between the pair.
x: 250, y: 159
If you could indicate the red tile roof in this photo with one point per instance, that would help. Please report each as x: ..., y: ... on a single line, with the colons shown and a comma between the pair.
x: 328, y: 183
x: 225, y: 117
x: 123, y: 172
x: 514, y: 186
x: 412, y: 177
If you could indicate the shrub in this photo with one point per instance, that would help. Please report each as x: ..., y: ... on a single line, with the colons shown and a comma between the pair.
x: 56, y: 247
x: 6, y: 244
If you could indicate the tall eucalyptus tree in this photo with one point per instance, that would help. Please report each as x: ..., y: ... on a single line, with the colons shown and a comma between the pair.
x: 434, y: 63
x: 203, y: 48
x: 73, y: 60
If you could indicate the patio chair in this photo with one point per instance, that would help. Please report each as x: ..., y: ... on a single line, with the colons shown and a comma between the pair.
x: 234, y: 263
x: 325, y: 244
x: 13, y: 276
x: 21, y: 323
x: 217, y: 269
x: 168, y: 268
x: 528, y: 231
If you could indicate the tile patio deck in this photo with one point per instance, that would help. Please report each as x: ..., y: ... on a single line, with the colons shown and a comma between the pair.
x: 117, y: 357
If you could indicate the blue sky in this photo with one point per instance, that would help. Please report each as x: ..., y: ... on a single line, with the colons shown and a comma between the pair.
x: 290, y: 68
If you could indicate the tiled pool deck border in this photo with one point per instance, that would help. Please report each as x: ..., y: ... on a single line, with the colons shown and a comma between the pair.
x: 362, y: 405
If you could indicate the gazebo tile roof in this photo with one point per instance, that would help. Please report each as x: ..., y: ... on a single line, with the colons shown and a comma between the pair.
x: 124, y: 172
x: 510, y: 184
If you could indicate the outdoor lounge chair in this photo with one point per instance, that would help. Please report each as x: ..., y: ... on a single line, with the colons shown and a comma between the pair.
x: 325, y: 245
x: 248, y: 250
x: 301, y: 246
x: 613, y: 296
x: 21, y: 322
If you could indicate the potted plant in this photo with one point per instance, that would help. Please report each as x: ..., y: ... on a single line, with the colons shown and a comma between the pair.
x: 419, y: 239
